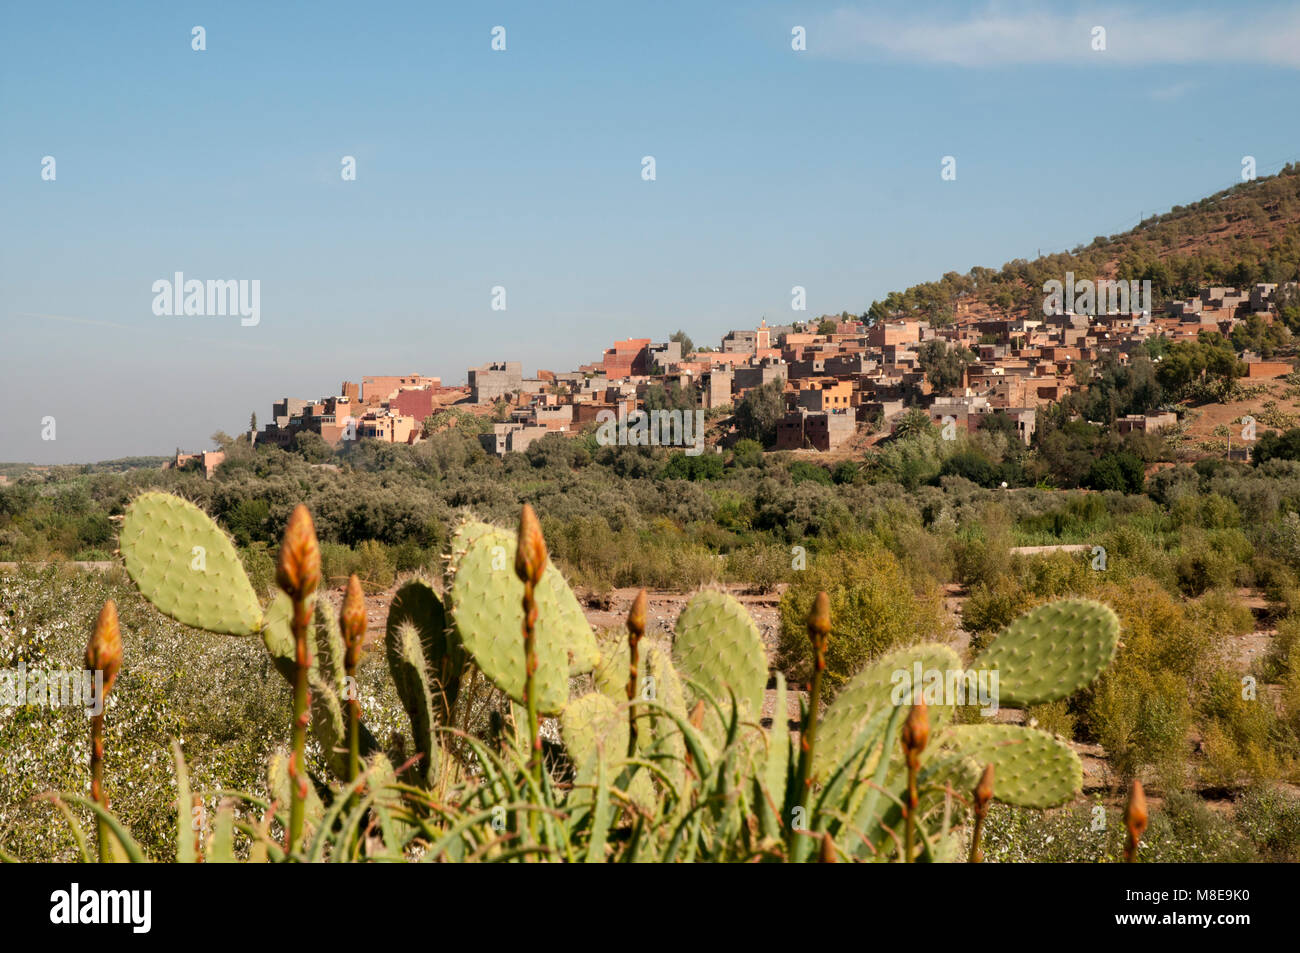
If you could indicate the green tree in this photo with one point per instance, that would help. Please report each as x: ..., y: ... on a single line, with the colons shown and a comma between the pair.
x: 760, y: 410
x: 747, y: 453
x: 671, y: 397
x: 1210, y: 356
x: 312, y: 447
x: 915, y: 421
x: 1277, y: 446
x: 1116, y: 471
x: 943, y: 363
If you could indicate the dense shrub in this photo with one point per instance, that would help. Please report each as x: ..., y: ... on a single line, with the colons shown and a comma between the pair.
x: 874, y: 607
x: 1270, y: 817
x: 214, y: 693
x: 991, y: 607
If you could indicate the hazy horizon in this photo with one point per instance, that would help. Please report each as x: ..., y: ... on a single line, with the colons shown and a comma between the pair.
x: 522, y: 168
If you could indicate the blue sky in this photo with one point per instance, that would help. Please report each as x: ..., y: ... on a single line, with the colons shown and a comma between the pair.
x: 522, y: 168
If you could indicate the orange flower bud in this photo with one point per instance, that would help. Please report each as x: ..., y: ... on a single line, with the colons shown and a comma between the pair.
x: 636, y: 615
x: 916, y: 730
x: 827, y: 853
x: 298, y: 569
x: 984, y: 790
x: 819, y: 621
x: 1135, y: 815
x: 530, y: 552
x: 104, y: 651
x: 352, y: 621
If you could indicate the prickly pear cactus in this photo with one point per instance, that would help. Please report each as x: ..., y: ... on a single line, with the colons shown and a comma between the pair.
x: 659, y: 682
x: 718, y: 646
x: 878, y: 686
x: 776, y: 764
x: 1032, y: 768
x: 277, y: 635
x: 329, y: 726
x: 404, y: 648
x: 186, y: 565
x: 1052, y: 651
x: 466, y: 532
x: 417, y: 603
x: 593, y: 721
x: 327, y: 661
x: 487, y: 607
x: 610, y: 674
x: 277, y: 783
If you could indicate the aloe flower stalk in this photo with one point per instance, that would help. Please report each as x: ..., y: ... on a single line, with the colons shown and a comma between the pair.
x: 635, y: 632
x: 530, y: 563
x: 1135, y: 820
x: 819, y: 631
x: 914, y: 737
x: 983, y: 795
x: 352, y: 623
x: 298, y: 574
x: 104, y: 655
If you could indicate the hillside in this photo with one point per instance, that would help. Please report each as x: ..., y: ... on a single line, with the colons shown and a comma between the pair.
x: 1248, y: 233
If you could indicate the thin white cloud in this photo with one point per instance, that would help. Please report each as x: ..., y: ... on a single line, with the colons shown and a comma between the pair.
x: 998, y: 36
x: 1171, y: 92
x: 139, y: 329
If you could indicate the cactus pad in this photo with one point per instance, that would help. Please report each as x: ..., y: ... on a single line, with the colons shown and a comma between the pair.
x: 593, y: 721
x: 1030, y: 767
x: 718, y: 646
x: 277, y: 634
x: 186, y: 565
x: 278, y: 784
x: 1052, y: 651
x: 406, y: 661
x: 487, y: 605
x: 776, y: 764
x: 462, y: 537
x: 416, y: 602
x: 328, y: 660
x: 869, y: 692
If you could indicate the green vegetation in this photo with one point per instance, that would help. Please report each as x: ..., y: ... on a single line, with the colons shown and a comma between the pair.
x: 759, y: 411
x: 668, y: 776
x: 1248, y: 235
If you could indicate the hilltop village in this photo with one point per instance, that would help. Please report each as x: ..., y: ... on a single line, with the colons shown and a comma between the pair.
x: 836, y: 376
